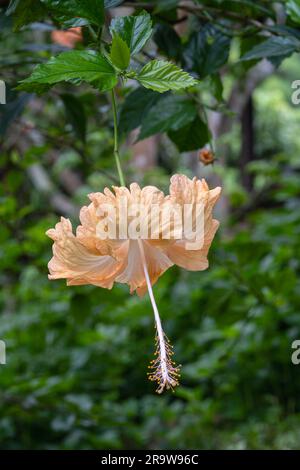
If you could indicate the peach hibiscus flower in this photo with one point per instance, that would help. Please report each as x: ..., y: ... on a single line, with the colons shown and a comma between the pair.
x: 106, y: 249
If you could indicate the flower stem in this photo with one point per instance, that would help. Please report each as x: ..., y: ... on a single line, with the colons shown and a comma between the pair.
x: 116, y: 141
x: 164, y: 371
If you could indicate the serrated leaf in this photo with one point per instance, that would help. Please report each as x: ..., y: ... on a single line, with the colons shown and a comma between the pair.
x: 191, y: 137
x: 119, y: 53
x: 171, y: 112
x: 206, y: 51
x: 75, y: 66
x: 91, y: 10
x: 162, y: 76
x: 273, y: 47
x: 134, y: 30
x: 135, y: 107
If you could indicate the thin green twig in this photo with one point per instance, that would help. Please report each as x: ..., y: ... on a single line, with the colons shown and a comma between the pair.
x: 116, y: 141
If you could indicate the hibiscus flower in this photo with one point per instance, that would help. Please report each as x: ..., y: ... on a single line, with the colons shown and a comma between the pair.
x: 106, y: 249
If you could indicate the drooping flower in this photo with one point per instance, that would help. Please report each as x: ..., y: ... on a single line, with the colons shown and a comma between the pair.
x: 130, y: 236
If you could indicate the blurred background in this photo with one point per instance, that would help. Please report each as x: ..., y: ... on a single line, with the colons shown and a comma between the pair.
x: 77, y: 357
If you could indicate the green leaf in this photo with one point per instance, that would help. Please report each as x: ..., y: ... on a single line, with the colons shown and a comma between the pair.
x: 216, y: 86
x: 75, y: 114
x: 191, y: 137
x: 273, y: 47
x: 171, y: 112
x: 168, y: 41
x: 135, y: 107
x: 120, y: 53
x: 91, y: 10
x: 73, y: 66
x: 134, y: 30
x: 293, y: 10
x: 162, y: 76
x: 25, y: 12
x: 207, y: 51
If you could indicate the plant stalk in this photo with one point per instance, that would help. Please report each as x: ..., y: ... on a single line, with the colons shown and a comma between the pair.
x: 116, y: 140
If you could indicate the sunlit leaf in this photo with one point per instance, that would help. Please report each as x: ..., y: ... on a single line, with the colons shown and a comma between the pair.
x: 70, y: 66
x: 162, y: 76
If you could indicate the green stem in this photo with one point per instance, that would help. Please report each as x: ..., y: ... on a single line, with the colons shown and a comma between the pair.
x: 116, y: 142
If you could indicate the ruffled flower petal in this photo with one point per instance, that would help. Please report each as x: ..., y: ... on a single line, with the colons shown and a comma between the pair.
x: 193, y: 191
x: 74, y: 262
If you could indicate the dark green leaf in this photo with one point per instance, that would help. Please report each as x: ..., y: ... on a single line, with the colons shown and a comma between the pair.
x: 75, y: 114
x: 162, y: 76
x: 168, y: 41
x: 91, y: 10
x: 216, y: 86
x: 120, y: 53
x: 136, y: 106
x: 70, y: 66
x: 193, y: 136
x: 273, y: 47
x: 207, y: 51
x: 134, y: 30
x: 25, y: 12
x: 171, y: 112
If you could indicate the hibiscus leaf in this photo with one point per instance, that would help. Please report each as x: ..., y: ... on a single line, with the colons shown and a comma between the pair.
x: 136, y: 107
x: 69, y: 13
x: 273, y: 47
x: 168, y: 41
x: 206, y: 51
x: 74, y: 66
x: 190, y: 137
x: 171, y: 112
x: 25, y: 12
x: 119, y: 53
x: 134, y: 30
x: 161, y: 76
x: 91, y: 10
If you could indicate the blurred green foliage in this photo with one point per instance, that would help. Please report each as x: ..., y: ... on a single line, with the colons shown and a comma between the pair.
x: 77, y: 357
